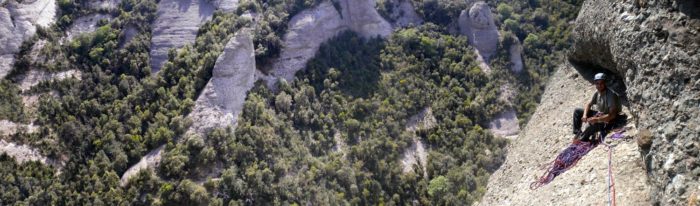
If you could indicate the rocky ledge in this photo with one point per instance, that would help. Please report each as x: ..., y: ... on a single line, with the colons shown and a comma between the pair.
x: 652, y: 46
x: 546, y: 135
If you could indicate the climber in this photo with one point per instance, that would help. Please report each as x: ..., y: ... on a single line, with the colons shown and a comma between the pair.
x: 603, y: 120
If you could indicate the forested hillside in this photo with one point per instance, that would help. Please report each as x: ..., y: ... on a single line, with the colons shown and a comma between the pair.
x: 333, y: 135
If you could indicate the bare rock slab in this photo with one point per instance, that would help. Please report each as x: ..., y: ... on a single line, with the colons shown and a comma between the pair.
x: 545, y: 136
x: 177, y: 24
x: 221, y: 101
x: 478, y: 25
x: 226, y: 5
x: 404, y: 14
x: 652, y: 46
x: 311, y: 27
x: 505, y: 124
x: 18, y: 22
x: 85, y: 24
x: 104, y: 4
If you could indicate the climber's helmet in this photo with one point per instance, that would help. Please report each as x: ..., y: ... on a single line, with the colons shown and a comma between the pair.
x: 599, y: 80
x: 599, y: 76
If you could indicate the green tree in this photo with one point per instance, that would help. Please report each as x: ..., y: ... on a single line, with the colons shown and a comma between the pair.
x: 504, y: 10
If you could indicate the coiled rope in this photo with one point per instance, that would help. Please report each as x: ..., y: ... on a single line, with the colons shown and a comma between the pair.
x: 564, y: 161
x: 568, y: 159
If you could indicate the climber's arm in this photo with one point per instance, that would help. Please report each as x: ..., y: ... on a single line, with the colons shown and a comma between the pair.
x: 612, y: 114
x: 586, y: 109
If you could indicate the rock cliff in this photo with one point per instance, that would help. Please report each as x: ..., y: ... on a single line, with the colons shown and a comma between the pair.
x: 650, y: 48
x: 18, y: 23
x: 653, y: 46
x: 545, y: 136
x: 176, y: 25
x: 21, y: 152
x: 481, y: 31
x: 404, y: 14
x: 516, y: 56
x: 226, y: 5
x: 361, y: 17
x: 221, y: 101
x: 85, y: 24
x: 311, y: 27
x: 478, y: 25
x: 307, y: 30
x: 8, y: 128
x: 505, y: 124
x: 104, y: 4
x: 33, y: 78
x: 417, y: 153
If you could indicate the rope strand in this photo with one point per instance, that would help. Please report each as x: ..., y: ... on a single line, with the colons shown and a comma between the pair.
x: 611, y: 180
x: 566, y: 160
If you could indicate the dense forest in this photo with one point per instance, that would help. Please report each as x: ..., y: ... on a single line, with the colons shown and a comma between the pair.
x: 358, y: 93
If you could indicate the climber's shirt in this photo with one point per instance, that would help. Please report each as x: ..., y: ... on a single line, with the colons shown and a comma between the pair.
x: 606, y: 101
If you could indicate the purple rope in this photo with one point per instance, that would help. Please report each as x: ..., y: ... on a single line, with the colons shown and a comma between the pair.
x: 564, y: 161
x: 618, y: 135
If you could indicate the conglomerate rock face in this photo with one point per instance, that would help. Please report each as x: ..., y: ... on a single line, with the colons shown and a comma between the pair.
x: 85, y: 24
x: 361, y: 17
x: 225, y: 5
x: 178, y: 22
x: 478, y: 25
x: 307, y: 30
x: 18, y: 22
x: 311, y: 27
x: 104, y: 4
x: 176, y: 25
x: 404, y: 14
x: 23, y: 153
x: 653, y: 47
x: 221, y: 101
x: 505, y: 124
x: 516, y: 57
x: 546, y: 135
